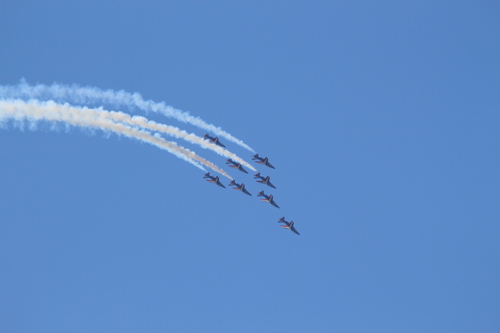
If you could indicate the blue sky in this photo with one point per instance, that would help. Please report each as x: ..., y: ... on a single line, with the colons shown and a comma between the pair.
x: 382, y: 121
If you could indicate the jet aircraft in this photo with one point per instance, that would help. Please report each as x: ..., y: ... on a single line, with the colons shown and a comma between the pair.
x: 262, y: 160
x: 213, y: 140
x: 263, y: 180
x: 236, y: 165
x: 268, y: 198
x: 239, y: 187
x: 289, y: 225
x: 213, y: 179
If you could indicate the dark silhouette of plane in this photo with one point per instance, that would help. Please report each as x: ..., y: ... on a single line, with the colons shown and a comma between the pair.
x: 268, y: 198
x: 239, y: 187
x: 288, y: 225
x: 213, y: 140
x: 262, y: 160
x: 213, y: 179
x: 263, y: 180
x: 236, y: 165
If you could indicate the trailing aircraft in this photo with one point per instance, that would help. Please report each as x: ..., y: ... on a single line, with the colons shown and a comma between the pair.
x: 239, y: 187
x: 236, y: 165
x: 268, y: 198
x: 213, y: 179
x: 262, y: 160
x: 263, y: 180
x: 213, y: 140
x: 289, y: 225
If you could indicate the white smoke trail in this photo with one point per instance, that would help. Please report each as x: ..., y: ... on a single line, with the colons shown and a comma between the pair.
x: 64, y: 92
x: 34, y: 111
x: 91, y: 95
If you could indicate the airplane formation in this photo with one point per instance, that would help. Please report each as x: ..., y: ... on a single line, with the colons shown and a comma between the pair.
x: 241, y: 187
x: 24, y: 103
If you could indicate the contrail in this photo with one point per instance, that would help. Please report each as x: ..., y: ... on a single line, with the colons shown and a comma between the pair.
x: 92, y: 95
x: 79, y: 95
x: 34, y: 110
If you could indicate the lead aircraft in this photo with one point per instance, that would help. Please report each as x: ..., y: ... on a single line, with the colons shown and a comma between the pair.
x: 263, y: 180
x: 239, y: 187
x: 236, y: 165
x: 213, y: 179
x: 289, y: 225
x: 213, y: 140
x: 262, y: 160
x: 268, y: 198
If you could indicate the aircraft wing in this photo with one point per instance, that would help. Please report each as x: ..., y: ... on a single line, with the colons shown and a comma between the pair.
x: 244, y: 190
x: 271, y: 201
x: 218, y: 143
x: 292, y: 227
x: 215, y: 180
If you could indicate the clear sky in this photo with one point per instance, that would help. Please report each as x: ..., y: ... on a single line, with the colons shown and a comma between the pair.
x: 382, y: 121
